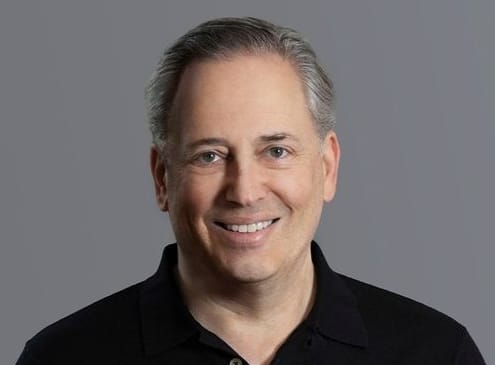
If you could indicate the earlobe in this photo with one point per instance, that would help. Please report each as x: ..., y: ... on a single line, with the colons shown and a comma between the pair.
x: 158, y: 171
x: 331, y: 158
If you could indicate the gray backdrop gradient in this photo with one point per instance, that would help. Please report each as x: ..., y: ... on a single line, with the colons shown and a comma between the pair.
x: 414, y: 211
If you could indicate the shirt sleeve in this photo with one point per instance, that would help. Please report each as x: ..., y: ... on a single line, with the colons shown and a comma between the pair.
x: 468, y: 353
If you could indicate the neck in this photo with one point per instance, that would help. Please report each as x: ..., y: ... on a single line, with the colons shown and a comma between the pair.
x: 264, y: 312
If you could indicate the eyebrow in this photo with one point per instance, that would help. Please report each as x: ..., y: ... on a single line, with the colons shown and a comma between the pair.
x: 211, y: 141
x: 280, y: 136
x: 216, y: 141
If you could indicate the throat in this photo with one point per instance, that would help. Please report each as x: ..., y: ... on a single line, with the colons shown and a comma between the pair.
x: 253, y: 318
x: 252, y: 309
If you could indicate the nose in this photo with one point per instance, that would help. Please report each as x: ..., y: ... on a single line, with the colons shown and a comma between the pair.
x: 245, y: 182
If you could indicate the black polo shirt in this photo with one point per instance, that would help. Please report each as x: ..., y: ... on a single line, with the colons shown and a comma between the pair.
x: 350, y: 323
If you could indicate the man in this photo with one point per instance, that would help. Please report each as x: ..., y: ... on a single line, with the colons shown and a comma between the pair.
x: 244, y: 156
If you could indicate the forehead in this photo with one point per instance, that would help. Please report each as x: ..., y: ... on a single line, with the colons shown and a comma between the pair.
x: 239, y: 91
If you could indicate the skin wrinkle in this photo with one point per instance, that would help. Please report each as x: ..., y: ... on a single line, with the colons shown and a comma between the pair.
x: 262, y: 289
x: 173, y: 120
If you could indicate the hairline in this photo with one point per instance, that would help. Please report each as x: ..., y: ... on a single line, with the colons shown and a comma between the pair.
x: 229, y: 55
x: 224, y: 38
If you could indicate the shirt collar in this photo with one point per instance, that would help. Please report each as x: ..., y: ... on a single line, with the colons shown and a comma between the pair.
x: 167, y: 322
x: 335, y: 314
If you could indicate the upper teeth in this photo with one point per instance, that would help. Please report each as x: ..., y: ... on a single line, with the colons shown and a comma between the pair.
x: 253, y: 227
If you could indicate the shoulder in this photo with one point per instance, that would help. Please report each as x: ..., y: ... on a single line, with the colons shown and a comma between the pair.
x: 99, y: 326
x: 383, y: 305
x: 399, y: 325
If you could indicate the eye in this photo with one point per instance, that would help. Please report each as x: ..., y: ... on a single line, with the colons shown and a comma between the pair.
x: 207, y: 157
x: 277, y: 152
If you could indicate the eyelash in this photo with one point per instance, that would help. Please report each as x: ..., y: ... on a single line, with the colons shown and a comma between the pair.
x: 198, y: 158
x: 285, y: 151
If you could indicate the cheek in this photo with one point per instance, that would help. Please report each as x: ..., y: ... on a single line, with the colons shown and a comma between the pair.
x: 301, y: 188
x: 189, y: 200
x: 193, y: 195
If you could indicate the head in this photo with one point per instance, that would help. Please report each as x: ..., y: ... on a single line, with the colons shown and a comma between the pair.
x: 223, y: 38
x: 244, y: 154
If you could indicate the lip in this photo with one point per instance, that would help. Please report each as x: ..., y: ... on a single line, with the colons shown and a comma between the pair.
x: 244, y: 220
x: 244, y: 240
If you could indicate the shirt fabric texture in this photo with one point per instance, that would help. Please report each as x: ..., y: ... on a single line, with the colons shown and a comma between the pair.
x: 350, y: 323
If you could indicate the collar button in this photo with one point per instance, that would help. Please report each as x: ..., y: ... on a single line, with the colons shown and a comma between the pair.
x: 235, y: 361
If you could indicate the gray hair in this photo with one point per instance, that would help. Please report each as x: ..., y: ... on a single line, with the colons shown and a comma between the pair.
x: 225, y: 37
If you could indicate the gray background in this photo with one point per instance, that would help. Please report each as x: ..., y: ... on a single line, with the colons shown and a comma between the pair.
x: 415, y: 208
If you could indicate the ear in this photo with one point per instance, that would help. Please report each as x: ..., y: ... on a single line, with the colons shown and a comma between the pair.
x: 159, y: 173
x: 331, y: 157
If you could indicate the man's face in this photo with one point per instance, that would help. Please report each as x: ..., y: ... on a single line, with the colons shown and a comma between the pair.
x: 246, y: 174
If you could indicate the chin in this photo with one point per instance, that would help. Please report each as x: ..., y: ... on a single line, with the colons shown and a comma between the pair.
x: 248, y: 271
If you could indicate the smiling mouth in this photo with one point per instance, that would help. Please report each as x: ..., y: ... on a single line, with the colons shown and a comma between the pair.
x: 247, y: 228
